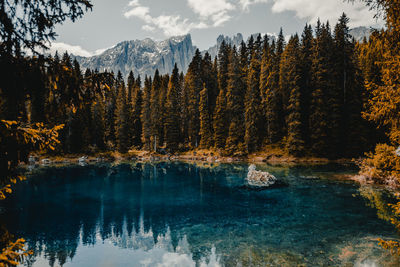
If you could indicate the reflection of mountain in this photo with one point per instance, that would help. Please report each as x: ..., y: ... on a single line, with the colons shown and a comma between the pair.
x: 181, y: 211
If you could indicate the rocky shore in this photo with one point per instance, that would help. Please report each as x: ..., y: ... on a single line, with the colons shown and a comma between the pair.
x: 191, y: 156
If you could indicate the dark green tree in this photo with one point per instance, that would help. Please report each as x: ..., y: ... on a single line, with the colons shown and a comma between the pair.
x: 235, y: 104
x: 146, y: 114
x: 121, y: 120
x: 206, y: 134
x: 172, y: 122
x: 253, y: 107
x: 290, y: 75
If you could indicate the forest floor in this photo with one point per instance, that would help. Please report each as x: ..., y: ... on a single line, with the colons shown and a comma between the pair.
x: 270, y: 154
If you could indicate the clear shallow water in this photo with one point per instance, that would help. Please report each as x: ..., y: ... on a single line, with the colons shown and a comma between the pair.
x: 180, y: 214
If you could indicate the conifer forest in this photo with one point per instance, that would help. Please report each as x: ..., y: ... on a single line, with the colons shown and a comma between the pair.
x: 307, y: 95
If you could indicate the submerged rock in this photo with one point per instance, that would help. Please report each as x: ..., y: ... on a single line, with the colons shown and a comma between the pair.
x: 259, y: 178
x: 45, y: 161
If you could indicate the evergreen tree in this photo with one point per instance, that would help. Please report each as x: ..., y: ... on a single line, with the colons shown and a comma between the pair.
x: 129, y: 102
x: 193, y: 86
x: 209, y: 76
x: 98, y: 123
x: 322, y: 83
x: 206, y: 134
x: 172, y: 123
x: 290, y: 75
x: 155, y: 111
x: 111, y: 103
x: 136, y: 123
x: 162, y: 104
x: 235, y: 104
x: 219, y: 119
x: 121, y: 120
x: 305, y: 79
x: 253, y: 107
x: 146, y: 114
x: 264, y: 74
x: 272, y: 98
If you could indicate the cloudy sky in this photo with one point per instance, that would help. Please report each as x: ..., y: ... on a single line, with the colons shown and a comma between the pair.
x: 114, y: 21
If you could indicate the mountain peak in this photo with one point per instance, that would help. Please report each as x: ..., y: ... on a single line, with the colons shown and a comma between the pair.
x: 143, y: 57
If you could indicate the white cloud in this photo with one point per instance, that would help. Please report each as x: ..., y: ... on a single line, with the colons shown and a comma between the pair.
x: 76, y: 50
x: 245, y: 4
x: 330, y: 10
x: 71, y: 49
x: 148, y: 28
x: 212, y: 13
x: 170, y: 24
x: 214, y: 10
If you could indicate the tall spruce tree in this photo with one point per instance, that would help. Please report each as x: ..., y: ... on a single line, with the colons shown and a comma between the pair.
x: 193, y: 86
x: 291, y: 79
x: 235, y: 104
x: 220, y: 113
x: 121, y: 120
x: 272, y: 98
x: 305, y: 79
x: 98, y: 123
x: 322, y: 83
x: 253, y: 107
x: 206, y: 134
x: 155, y: 111
x: 146, y: 114
x: 136, y: 105
x: 209, y: 76
x: 172, y: 122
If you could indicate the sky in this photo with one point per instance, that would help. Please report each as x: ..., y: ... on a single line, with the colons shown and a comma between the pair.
x: 113, y: 21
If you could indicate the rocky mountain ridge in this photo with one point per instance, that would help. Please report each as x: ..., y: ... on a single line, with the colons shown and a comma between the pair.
x: 145, y: 56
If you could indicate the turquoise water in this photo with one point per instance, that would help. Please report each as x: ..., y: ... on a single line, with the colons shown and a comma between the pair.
x: 178, y: 214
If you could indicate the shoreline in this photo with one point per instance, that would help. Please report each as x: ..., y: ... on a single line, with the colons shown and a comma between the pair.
x: 204, y: 156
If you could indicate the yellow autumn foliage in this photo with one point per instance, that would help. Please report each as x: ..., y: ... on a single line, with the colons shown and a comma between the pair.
x: 14, y: 253
x: 384, y: 108
x: 18, y: 139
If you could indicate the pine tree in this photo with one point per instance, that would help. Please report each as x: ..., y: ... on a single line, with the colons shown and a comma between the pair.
x: 206, y: 134
x: 235, y: 104
x: 155, y: 111
x: 121, y: 120
x: 193, y: 86
x: 219, y: 119
x: 172, y: 122
x: 209, y: 76
x: 136, y: 105
x: 272, y: 98
x: 146, y: 114
x: 253, y: 107
x: 264, y: 74
x: 98, y: 123
x: 291, y: 78
x: 111, y: 103
x: 322, y: 83
x: 129, y: 102
x: 305, y: 79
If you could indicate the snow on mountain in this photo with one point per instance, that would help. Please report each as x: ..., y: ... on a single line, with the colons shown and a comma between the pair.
x: 360, y: 32
x: 145, y: 56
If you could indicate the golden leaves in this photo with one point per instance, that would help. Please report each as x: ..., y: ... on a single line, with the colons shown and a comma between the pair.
x: 23, y: 138
x: 14, y: 253
x: 5, y: 190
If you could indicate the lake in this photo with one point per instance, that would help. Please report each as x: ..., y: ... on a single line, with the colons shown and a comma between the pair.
x: 181, y: 214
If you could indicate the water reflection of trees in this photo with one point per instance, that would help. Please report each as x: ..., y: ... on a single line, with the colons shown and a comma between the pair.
x: 378, y: 198
x: 69, y: 207
x: 173, y: 205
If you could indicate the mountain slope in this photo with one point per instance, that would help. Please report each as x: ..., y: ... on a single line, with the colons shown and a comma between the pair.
x: 143, y: 56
